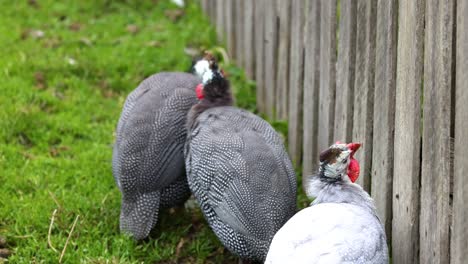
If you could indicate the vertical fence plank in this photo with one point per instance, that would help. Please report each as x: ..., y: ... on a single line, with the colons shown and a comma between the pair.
x: 258, y: 36
x: 239, y: 18
x: 220, y: 20
x: 222, y: 12
x: 249, y: 51
x: 459, y: 245
x: 296, y: 81
x: 345, y: 72
x: 208, y: 7
x: 436, y: 164
x: 230, y: 26
x: 204, y: 5
x: 405, y: 226
x: 282, y: 70
x: 364, y: 86
x: 384, y: 110
x: 271, y: 46
x: 327, y: 73
x: 311, y: 88
x: 259, y: 39
x: 212, y: 11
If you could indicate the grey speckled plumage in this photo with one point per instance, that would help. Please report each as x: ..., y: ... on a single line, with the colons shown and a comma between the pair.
x: 238, y: 170
x: 148, y: 162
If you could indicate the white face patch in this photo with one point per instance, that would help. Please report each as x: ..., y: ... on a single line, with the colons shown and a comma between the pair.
x: 202, y: 69
x: 340, y: 166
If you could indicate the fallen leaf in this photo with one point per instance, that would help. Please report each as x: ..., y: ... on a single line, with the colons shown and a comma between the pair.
x: 117, y: 41
x: 86, y: 41
x: 179, y: 247
x: 154, y: 43
x: 32, y: 33
x: 40, y: 80
x: 28, y: 155
x: 75, y: 26
x: 105, y: 89
x: 133, y: 29
x: 33, y: 3
x: 53, y: 42
x: 159, y: 28
x: 25, y: 34
x: 191, y: 204
x: 36, y: 34
x: 61, y: 85
x: 4, y: 253
x: 103, y: 84
x: 71, y: 61
x: 174, y: 14
x: 109, y: 94
x: 220, y: 250
x: 55, y: 151
x: 59, y: 95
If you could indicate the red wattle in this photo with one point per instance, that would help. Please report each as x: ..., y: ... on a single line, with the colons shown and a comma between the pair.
x: 353, y: 170
x: 199, y: 91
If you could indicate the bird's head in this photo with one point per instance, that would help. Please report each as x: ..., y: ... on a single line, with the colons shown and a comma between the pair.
x: 338, y: 161
x: 213, y: 85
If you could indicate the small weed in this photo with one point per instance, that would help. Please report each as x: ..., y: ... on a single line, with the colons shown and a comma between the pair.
x: 66, y: 68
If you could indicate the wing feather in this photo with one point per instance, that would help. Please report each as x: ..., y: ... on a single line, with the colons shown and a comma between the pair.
x: 239, y: 171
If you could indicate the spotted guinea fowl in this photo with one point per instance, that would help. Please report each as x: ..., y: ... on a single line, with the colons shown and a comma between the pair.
x: 340, y: 226
x: 148, y: 162
x: 237, y: 169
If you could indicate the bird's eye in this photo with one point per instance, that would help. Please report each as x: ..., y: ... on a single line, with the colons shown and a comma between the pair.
x: 345, y: 161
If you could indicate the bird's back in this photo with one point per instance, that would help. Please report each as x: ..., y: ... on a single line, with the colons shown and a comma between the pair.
x: 148, y: 163
x: 330, y: 233
x: 239, y: 171
x: 151, y: 130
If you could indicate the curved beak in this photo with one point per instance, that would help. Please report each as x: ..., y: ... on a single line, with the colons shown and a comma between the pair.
x: 354, y: 147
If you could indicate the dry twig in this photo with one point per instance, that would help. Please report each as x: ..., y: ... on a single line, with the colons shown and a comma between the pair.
x: 55, y: 199
x: 68, y: 238
x: 50, y: 231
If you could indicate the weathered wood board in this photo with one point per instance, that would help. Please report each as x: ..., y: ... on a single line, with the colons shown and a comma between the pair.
x: 436, y: 168
x: 384, y: 110
x: 363, y: 105
x: 343, y: 125
x: 296, y: 81
x: 311, y: 88
x: 459, y: 234
x: 405, y: 225
x: 326, y: 109
x: 282, y: 66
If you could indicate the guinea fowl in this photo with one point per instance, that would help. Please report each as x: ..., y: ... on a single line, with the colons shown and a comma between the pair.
x: 237, y: 169
x: 340, y: 226
x: 148, y: 160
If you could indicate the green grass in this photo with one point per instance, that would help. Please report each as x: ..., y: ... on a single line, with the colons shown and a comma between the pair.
x: 61, y: 94
x: 60, y: 98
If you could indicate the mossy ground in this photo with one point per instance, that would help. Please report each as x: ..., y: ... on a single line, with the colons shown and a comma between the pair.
x: 65, y: 69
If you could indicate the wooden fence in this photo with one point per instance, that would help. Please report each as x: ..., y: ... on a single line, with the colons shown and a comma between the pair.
x: 392, y: 75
